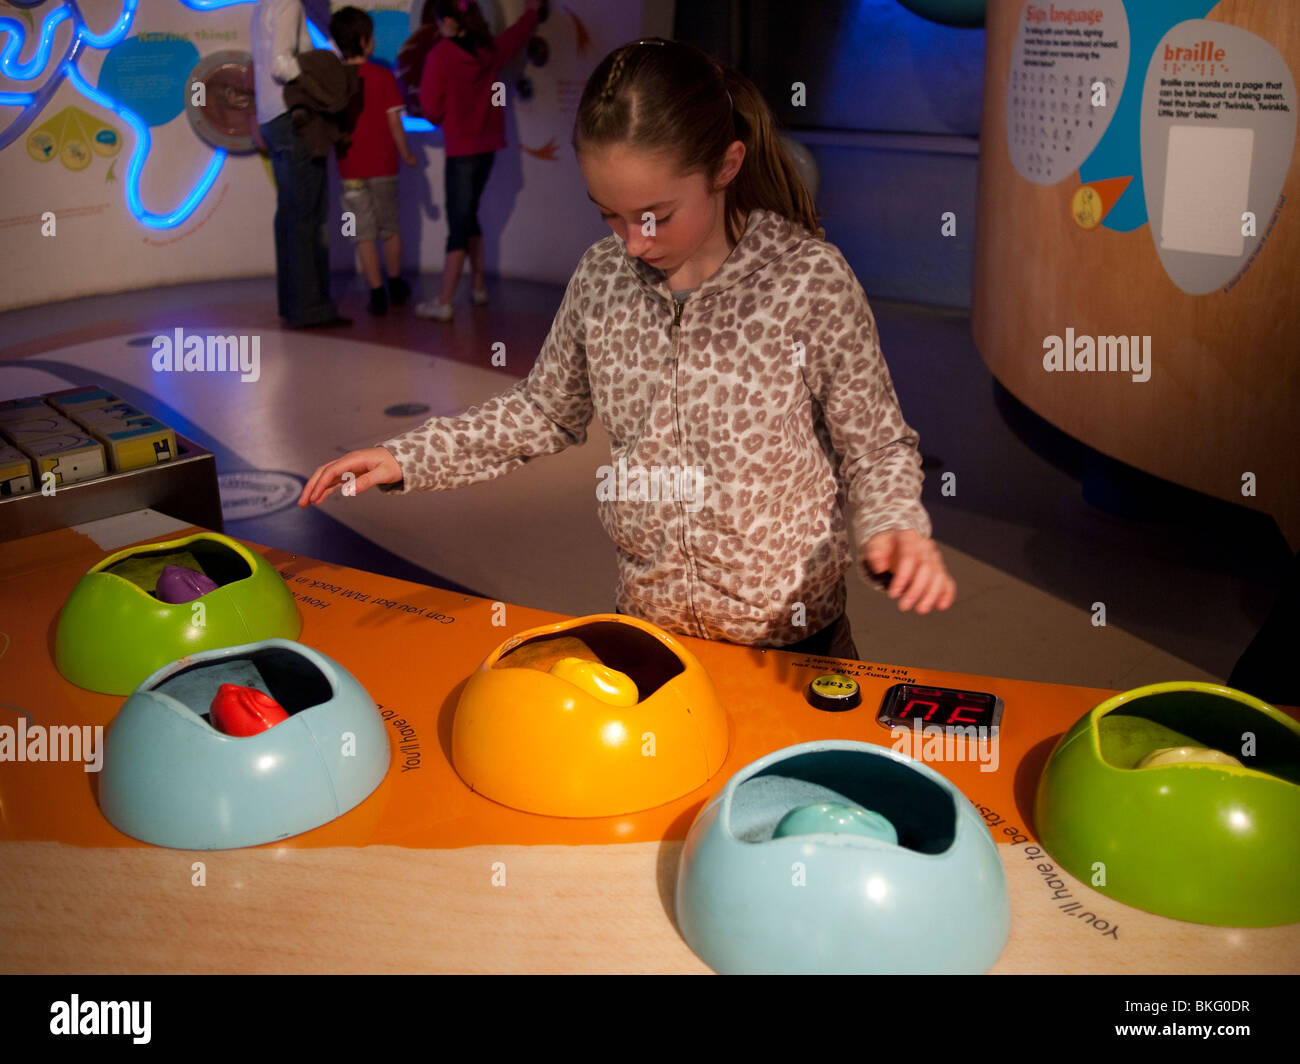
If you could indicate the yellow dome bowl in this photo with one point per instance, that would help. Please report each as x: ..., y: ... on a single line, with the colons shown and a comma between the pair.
x: 557, y: 743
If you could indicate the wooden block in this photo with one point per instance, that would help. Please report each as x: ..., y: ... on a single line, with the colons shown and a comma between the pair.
x: 37, y: 428
x: 74, y: 400
x: 135, y: 445
x: 70, y: 458
x: 12, y: 410
x: 16, y: 476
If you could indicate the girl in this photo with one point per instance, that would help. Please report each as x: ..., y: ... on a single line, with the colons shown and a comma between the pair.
x: 730, y: 355
x: 456, y: 94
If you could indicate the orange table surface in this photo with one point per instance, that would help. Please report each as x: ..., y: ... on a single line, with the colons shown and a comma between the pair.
x: 413, y: 647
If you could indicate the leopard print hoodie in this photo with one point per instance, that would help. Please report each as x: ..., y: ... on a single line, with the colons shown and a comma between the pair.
x: 757, y: 440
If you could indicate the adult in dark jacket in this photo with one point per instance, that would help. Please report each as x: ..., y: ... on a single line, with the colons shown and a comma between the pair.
x: 278, y: 34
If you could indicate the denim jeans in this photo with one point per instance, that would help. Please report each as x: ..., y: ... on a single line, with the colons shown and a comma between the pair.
x: 464, y: 178
x: 302, y: 263
x: 833, y: 641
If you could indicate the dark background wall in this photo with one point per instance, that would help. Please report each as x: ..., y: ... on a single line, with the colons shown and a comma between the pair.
x: 892, y: 118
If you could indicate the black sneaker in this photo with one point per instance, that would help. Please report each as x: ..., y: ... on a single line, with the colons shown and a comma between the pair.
x: 378, y: 305
x: 398, y: 291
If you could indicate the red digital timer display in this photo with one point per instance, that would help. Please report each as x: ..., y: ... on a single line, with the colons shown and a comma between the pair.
x: 909, y: 705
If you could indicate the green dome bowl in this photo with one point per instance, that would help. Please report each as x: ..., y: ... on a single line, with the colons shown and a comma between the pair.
x: 1208, y: 843
x: 113, y: 632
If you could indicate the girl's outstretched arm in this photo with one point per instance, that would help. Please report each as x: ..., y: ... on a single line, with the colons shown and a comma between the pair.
x: 352, y: 474
x: 543, y: 414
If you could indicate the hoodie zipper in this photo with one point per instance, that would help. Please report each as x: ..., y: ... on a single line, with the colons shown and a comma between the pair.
x: 677, y: 432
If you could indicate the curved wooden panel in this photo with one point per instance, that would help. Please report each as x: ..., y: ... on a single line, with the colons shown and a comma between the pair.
x: 1223, y: 398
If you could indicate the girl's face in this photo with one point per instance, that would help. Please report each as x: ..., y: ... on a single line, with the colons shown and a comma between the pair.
x: 449, y: 27
x: 689, y: 216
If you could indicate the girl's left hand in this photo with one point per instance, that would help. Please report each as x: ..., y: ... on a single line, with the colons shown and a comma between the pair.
x: 920, y: 577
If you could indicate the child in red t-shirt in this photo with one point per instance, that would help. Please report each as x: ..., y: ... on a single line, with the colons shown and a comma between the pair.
x: 369, y: 168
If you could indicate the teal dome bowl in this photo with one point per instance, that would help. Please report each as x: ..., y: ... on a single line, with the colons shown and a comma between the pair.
x: 171, y: 779
x: 752, y: 899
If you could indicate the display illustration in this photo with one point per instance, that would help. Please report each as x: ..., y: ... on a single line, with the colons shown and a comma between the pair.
x: 1168, y: 118
x: 152, y: 72
x: 71, y: 136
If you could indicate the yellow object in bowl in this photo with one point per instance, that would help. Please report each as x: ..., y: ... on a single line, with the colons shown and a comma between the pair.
x: 609, y: 685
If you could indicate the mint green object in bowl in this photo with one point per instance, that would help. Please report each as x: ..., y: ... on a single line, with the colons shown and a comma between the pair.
x: 113, y: 632
x: 1211, y: 843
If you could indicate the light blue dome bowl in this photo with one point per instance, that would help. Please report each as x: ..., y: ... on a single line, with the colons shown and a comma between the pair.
x: 171, y: 779
x: 842, y: 904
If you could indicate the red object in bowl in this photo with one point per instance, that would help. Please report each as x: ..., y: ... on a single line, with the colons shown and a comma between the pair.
x: 244, y: 711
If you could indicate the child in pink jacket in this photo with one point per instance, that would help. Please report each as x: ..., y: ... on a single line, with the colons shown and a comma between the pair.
x: 456, y: 94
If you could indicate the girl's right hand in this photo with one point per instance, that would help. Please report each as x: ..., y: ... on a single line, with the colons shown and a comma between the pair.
x: 368, y: 467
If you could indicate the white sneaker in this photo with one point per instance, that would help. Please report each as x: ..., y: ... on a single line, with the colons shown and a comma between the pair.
x: 432, y: 308
x: 480, y: 297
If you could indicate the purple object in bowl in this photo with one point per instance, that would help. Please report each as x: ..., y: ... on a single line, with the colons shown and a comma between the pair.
x: 179, y: 583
